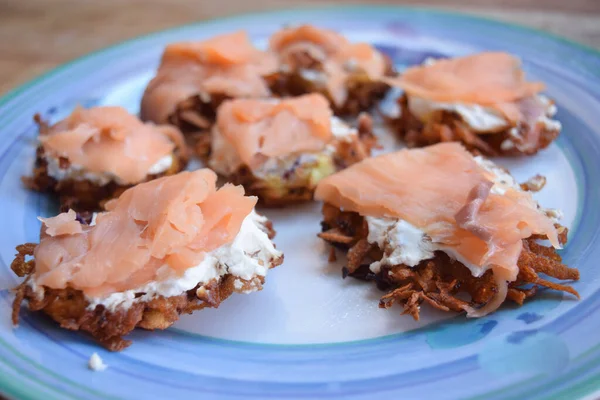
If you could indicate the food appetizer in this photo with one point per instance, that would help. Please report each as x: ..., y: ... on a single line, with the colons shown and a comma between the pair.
x: 166, y: 247
x: 279, y: 149
x: 435, y: 224
x: 195, y: 77
x: 323, y: 61
x: 482, y: 101
x: 95, y: 154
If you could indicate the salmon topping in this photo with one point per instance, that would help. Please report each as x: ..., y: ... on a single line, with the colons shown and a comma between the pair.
x: 225, y: 50
x: 110, y: 140
x: 62, y: 224
x: 492, y: 79
x: 444, y: 192
x: 152, y: 231
x: 258, y: 129
x: 325, y: 42
x: 227, y: 65
x: 336, y: 57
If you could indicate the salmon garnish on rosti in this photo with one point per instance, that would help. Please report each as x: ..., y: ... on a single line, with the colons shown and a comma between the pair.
x: 428, y: 224
x: 165, y: 247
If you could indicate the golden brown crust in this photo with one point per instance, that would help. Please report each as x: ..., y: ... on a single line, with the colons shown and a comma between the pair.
x: 438, y: 281
x: 70, y: 309
x: 447, y: 126
x: 293, y: 192
x: 84, y: 195
x: 363, y: 93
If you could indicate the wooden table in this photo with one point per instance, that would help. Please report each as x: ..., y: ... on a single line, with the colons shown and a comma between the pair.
x: 37, y: 35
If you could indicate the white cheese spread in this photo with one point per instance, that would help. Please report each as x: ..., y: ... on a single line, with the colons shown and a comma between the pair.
x: 342, y: 130
x: 404, y: 243
x: 314, y: 76
x: 504, y: 181
x: 401, y: 242
x: 479, y: 118
x: 96, y: 364
x: 161, y: 165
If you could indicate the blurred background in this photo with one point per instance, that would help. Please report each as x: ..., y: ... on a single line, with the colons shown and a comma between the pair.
x: 37, y: 35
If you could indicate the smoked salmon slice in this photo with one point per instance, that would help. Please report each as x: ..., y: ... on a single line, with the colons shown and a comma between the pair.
x: 171, y: 245
x: 447, y: 201
x: 485, y: 78
x: 225, y: 66
x: 264, y: 128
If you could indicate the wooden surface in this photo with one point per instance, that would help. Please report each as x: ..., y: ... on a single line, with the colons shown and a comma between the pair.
x: 37, y: 35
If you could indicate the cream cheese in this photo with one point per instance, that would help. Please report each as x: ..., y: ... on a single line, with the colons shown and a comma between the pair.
x: 237, y: 284
x: 550, y: 111
x: 404, y: 243
x: 78, y: 173
x: 248, y: 256
x: 75, y: 172
x: 554, y: 214
x: 161, y: 165
x: 504, y: 181
x: 277, y: 166
x: 96, y: 364
x: 313, y: 75
x: 549, y: 124
x: 548, y: 104
x: 341, y: 130
x: 401, y: 242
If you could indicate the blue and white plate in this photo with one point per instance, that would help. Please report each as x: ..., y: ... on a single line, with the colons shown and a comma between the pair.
x: 310, y: 334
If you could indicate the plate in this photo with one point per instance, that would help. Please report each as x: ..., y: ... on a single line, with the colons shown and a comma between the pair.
x: 310, y: 334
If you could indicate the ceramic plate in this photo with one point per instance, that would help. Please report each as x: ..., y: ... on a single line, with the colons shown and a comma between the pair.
x: 310, y: 334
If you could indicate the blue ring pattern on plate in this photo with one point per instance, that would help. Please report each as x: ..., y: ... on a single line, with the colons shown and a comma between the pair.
x: 363, y: 369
